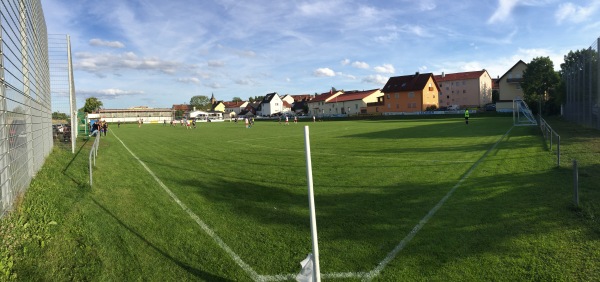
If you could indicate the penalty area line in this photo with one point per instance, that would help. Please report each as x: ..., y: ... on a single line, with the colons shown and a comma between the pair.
x: 391, y: 255
x: 199, y: 221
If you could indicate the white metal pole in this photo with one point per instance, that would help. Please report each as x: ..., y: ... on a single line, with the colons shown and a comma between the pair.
x: 311, y: 201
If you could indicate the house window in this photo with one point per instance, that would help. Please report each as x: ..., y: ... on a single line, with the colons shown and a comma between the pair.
x: 464, y: 82
x: 388, y: 96
x: 397, y: 95
x: 389, y: 106
x: 448, y: 96
x: 356, y: 106
x: 411, y: 94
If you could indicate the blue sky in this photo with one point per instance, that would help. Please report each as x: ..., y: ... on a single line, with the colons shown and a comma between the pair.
x: 158, y: 53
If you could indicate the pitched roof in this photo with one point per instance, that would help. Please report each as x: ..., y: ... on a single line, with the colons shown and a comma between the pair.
x: 323, y: 96
x: 414, y: 82
x: 286, y: 105
x: 233, y: 104
x: 354, y: 95
x: 182, y: 107
x: 302, y: 97
x: 459, y: 76
x: 267, y: 99
x: 520, y: 61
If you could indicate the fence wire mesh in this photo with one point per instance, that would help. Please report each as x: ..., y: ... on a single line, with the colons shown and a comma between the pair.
x: 582, y: 95
x: 64, y: 115
x: 25, y: 107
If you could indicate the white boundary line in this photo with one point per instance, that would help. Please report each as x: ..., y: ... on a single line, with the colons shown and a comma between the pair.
x: 391, y: 255
x: 366, y: 276
x: 201, y: 223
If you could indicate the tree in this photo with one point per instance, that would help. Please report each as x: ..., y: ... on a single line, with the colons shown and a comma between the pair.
x: 539, y: 83
x: 574, y: 64
x: 178, y: 114
x: 236, y: 99
x: 59, y: 116
x: 495, y: 95
x: 92, y: 104
x: 200, y: 102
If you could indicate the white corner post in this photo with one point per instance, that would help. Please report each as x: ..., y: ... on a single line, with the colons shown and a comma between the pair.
x: 311, y: 202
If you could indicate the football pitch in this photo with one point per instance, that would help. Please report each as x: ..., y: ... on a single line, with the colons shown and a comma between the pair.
x: 407, y: 199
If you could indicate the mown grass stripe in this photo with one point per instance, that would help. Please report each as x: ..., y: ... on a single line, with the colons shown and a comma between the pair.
x: 199, y: 221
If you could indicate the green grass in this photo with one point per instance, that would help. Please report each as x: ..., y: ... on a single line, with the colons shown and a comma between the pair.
x: 510, y: 219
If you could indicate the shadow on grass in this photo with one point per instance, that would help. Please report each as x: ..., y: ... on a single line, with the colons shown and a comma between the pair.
x: 80, y: 184
x: 452, y: 129
x: 485, y: 215
x: 194, y: 271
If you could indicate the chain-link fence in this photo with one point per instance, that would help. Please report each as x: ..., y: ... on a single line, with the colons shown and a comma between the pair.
x: 64, y: 113
x: 25, y: 107
x: 581, y: 80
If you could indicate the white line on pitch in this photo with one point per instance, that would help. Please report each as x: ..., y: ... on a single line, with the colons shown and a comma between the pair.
x: 391, y: 255
x: 247, y: 268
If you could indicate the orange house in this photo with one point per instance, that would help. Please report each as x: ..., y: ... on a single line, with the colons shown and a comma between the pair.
x: 410, y: 93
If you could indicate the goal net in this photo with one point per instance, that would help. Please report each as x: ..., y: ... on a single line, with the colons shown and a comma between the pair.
x: 522, y: 115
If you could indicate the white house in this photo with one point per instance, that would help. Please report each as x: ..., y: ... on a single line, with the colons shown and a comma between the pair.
x: 271, y: 104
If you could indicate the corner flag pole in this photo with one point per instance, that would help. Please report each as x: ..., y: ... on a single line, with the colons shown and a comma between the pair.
x: 311, y: 202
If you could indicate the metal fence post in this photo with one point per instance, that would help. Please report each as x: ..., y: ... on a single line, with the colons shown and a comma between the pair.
x: 557, y: 150
x: 575, y: 184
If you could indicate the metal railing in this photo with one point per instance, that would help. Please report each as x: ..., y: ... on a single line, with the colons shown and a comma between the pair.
x: 92, y: 157
x: 551, y: 135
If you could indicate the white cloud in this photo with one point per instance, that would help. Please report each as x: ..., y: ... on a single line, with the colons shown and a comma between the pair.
x: 574, y: 13
x: 345, y: 62
x: 111, y: 44
x: 101, y: 63
x: 385, y: 68
x: 376, y: 79
x: 504, y: 10
x: 214, y: 85
x: 360, y: 65
x: 216, y: 63
x: 110, y: 93
x: 427, y: 5
x: 422, y: 68
x: 341, y: 74
x: 324, y: 72
x: 319, y: 8
x: 193, y: 80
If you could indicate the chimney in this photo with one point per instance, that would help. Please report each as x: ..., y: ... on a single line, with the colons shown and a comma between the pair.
x: 443, y: 75
x: 417, y: 73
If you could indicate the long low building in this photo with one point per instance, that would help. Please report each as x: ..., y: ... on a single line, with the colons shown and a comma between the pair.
x: 147, y: 115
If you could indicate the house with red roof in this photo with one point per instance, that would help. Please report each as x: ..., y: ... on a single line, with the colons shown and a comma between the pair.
x: 410, y: 93
x: 353, y: 102
x: 234, y: 108
x: 317, y: 106
x: 465, y: 89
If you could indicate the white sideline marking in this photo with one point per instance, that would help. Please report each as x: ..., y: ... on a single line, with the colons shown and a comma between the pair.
x: 366, y: 276
x: 203, y: 225
x: 391, y: 255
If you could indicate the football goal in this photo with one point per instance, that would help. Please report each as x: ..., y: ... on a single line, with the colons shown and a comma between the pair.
x: 522, y: 115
